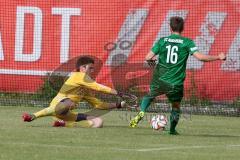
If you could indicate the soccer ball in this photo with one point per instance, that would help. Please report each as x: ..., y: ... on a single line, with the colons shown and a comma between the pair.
x: 159, y: 122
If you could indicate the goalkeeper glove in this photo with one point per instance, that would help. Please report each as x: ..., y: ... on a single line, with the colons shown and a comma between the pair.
x: 151, y: 62
x: 120, y: 94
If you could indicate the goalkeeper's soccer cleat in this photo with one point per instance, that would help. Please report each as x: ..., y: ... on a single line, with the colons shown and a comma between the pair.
x: 27, y: 117
x: 136, y: 120
x: 59, y: 123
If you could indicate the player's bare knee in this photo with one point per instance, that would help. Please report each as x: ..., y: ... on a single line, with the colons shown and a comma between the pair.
x: 61, y: 109
x: 97, y: 122
x: 69, y: 103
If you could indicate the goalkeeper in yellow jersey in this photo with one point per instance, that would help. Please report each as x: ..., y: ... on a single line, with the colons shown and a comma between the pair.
x: 76, y: 89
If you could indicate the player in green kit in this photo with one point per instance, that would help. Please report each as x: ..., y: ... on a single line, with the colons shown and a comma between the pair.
x: 169, y: 73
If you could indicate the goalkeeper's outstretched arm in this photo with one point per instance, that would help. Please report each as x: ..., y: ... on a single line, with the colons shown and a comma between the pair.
x: 208, y: 58
x: 98, y: 87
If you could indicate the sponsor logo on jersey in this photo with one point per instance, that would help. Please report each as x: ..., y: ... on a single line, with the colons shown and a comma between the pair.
x: 173, y: 40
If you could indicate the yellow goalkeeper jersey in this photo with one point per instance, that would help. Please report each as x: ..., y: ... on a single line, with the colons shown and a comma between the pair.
x: 78, y: 85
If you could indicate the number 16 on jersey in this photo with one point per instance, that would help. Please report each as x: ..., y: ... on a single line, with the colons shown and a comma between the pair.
x: 172, y: 55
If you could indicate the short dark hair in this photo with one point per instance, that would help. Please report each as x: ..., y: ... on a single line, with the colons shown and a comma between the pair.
x: 83, y: 61
x: 177, y: 24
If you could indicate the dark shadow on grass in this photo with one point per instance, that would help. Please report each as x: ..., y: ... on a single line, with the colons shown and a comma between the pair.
x: 212, y: 135
x: 193, y: 135
x: 41, y: 126
x: 154, y: 133
x: 124, y: 127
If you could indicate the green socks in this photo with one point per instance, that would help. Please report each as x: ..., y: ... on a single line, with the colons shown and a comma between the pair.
x: 174, y: 118
x: 146, y: 102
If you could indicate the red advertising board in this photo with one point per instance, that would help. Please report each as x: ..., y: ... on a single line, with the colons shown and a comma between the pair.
x: 37, y: 37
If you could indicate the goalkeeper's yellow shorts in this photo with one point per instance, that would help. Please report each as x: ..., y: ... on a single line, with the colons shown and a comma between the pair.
x: 71, y: 115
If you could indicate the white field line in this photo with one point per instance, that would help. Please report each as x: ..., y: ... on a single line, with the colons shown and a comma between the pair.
x: 186, y: 147
x: 32, y: 72
x: 27, y: 144
x: 24, y: 72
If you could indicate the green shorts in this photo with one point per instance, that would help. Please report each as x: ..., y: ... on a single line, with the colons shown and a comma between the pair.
x: 174, y: 93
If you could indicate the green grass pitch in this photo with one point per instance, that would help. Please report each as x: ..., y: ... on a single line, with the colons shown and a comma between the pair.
x: 202, y: 137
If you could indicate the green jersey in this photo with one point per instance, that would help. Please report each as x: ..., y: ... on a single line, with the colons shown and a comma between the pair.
x: 173, y: 52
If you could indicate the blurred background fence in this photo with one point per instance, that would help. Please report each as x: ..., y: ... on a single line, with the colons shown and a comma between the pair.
x: 39, y: 38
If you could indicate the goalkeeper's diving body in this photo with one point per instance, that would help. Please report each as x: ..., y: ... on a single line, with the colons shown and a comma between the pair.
x: 75, y: 89
x: 169, y: 73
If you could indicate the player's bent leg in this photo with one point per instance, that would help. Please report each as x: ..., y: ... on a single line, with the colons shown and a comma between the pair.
x: 64, y: 106
x: 174, y: 118
x: 73, y: 119
x: 68, y: 118
x: 144, y: 105
x: 175, y: 97
x: 49, y: 111
x: 56, y: 107
x: 64, y: 114
x: 147, y: 100
x: 87, y: 121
